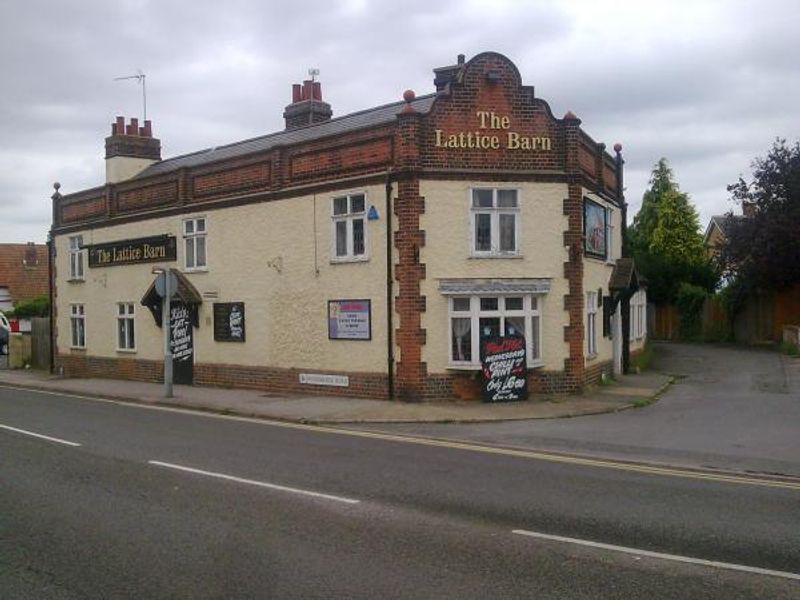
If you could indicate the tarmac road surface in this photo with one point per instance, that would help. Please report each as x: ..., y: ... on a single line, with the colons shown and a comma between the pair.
x: 107, y: 500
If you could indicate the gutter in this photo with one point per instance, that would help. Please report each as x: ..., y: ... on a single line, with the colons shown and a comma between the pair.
x: 389, y: 288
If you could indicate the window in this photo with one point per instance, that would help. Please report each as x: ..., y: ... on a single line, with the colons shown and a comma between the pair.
x: 495, y: 222
x: 591, y: 323
x: 609, y: 235
x: 126, y: 339
x: 194, y: 236
x: 638, y: 315
x: 473, y: 318
x: 349, y: 227
x: 77, y: 324
x: 76, y: 257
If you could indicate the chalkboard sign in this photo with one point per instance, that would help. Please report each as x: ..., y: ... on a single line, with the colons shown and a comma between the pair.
x: 504, y: 369
x: 229, y: 321
x: 181, y: 343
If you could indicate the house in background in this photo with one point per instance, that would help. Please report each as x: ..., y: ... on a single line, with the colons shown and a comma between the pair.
x: 23, y: 273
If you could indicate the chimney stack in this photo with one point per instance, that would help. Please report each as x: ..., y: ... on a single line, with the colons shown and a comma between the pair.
x: 307, y: 107
x: 130, y: 149
x: 444, y: 76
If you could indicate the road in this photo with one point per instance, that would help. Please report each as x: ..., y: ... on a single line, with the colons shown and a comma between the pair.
x: 275, y: 510
x: 730, y: 408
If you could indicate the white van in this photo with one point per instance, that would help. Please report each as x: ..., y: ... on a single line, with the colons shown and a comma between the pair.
x: 5, y: 329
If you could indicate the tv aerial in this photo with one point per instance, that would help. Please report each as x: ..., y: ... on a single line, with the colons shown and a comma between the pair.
x: 140, y: 77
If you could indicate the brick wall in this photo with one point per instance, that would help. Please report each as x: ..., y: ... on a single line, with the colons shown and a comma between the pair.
x: 23, y: 270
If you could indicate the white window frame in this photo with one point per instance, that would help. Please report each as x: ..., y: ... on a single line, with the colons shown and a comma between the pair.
x: 126, y: 324
x: 531, y: 311
x: 349, y: 218
x: 76, y: 266
x: 591, y: 324
x: 77, y: 326
x: 194, y: 235
x: 637, y: 325
x: 494, y: 211
x: 610, y: 256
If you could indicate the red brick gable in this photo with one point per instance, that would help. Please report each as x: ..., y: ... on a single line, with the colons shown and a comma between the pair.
x: 488, y: 107
x: 23, y: 270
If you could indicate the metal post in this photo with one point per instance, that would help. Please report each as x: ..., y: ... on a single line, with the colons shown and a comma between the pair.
x: 165, y: 323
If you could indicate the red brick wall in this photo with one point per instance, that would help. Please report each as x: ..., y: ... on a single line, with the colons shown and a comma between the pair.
x: 83, y: 209
x: 227, y: 181
x: 283, y: 381
x: 140, y: 197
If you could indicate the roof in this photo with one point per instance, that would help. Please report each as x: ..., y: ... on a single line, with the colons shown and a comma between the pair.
x: 625, y: 276
x: 358, y: 120
x: 23, y: 270
x: 538, y: 285
x: 185, y: 293
x: 721, y: 222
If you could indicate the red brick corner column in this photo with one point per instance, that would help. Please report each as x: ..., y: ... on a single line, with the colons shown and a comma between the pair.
x: 573, y: 269
x: 409, y: 272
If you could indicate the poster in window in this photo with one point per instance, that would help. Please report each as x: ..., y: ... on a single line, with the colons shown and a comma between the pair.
x: 594, y: 228
x: 229, y: 322
x: 349, y: 320
x: 504, y: 369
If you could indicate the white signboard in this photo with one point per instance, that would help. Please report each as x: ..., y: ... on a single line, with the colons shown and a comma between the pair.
x: 321, y: 379
x: 349, y: 320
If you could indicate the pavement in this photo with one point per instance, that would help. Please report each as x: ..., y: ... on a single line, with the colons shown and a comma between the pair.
x: 627, y: 392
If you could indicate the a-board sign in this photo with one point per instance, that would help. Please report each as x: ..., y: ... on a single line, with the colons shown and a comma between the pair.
x: 349, y: 320
x: 229, y: 322
x: 181, y: 343
x: 504, y: 369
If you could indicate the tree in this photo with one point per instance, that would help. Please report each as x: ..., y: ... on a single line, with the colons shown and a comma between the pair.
x: 762, y: 250
x: 666, y: 240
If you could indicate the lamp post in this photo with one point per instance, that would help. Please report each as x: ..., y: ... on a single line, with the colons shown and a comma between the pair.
x: 165, y: 276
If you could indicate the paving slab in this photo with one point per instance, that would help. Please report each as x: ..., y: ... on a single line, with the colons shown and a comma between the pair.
x: 628, y: 391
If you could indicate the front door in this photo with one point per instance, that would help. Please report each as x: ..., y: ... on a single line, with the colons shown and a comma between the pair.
x: 181, y: 344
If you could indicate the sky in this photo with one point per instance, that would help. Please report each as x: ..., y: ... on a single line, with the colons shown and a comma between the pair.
x: 708, y: 85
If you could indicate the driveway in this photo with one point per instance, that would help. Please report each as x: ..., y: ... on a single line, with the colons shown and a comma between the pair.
x: 731, y: 408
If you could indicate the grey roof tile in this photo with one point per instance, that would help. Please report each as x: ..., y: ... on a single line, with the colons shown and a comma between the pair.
x: 358, y: 120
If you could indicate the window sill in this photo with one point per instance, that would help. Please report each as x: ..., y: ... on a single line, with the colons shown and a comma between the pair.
x: 77, y: 348
x: 349, y: 259
x: 126, y: 350
x: 590, y: 357
x: 494, y: 256
x: 77, y: 280
x: 452, y: 367
x: 196, y: 270
x: 601, y: 259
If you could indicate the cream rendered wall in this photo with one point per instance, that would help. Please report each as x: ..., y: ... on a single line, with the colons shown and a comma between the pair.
x: 446, y: 254
x: 259, y: 254
x: 122, y: 168
x: 596, y: 275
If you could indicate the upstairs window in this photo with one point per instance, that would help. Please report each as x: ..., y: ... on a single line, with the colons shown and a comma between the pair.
x: 126, y: 339
x: 494, y: 216
x: 194, y: 237
x: 76, y: 257
x: 349, y: 232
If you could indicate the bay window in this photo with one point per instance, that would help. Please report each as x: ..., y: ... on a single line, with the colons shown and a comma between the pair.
x: 474, y: 318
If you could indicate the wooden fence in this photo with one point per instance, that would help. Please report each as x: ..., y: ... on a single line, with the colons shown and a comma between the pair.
x: 40, y: 342
x: 760, y: 320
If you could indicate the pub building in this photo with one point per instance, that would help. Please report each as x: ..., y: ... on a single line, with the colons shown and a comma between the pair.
x: 365, y: 255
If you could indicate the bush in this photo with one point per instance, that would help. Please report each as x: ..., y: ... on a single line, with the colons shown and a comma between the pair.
x: 38, y: 306
x: 790, y: 349
x: 689, y: 300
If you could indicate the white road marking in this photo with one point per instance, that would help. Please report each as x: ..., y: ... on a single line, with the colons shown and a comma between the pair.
x: 660, y: 555
x: 39, y: 435
x: 603, y: 463
x: 272, y: 486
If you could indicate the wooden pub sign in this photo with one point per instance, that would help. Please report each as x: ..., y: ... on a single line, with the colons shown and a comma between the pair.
x: 157, y: 248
